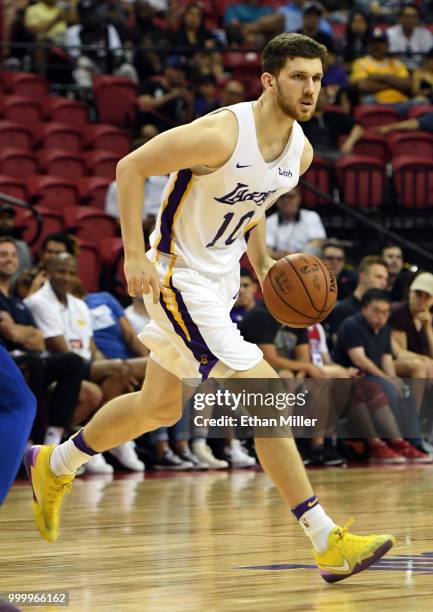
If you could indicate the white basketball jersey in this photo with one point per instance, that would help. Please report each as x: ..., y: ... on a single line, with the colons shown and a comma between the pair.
x: 205, y: 219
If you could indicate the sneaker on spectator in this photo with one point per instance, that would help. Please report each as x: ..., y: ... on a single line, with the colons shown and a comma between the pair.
x: 410, y: 452
x: 237, y: 456
x: 171, y: 461
x: 187, y: 455
x: 204, y: 453
x: 98, y: 465
x: 127, y: 457
x: 427, y: 447
x: 332, y: 458
x: 382, y: 453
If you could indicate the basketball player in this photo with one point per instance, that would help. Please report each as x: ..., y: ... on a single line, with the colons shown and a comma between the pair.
x: 226, y: 169
x: 17, y: 413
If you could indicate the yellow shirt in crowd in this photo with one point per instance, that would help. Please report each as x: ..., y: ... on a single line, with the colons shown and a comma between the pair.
x: 366, y: 67
x: 40, y: 14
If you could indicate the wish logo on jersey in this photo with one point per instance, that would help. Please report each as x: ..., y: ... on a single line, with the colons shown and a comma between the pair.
x: 242, y: 193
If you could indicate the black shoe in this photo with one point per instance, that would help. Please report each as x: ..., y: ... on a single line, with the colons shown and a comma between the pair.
x: 332, y: 458
x: 316, y: 456
x: 170, y: 461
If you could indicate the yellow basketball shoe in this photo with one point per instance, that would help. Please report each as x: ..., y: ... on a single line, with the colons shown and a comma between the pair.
x: 48, y: 490
x: 349, y: 554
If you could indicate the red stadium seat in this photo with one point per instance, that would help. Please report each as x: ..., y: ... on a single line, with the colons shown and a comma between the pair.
x: 115, y: 100
x: 26, y: 84
x: 372, y: 145
x: 62, y: 163
x: 18, y: 162
x: 419, y: 109
x: 14, y: 187
x: 23, y: 110
x: 416, y: 144
x: 89, y: 223
x: 361, y: 180
x: 61, y: 136
x: 243, y: 63
x: 413, y: 180
x: 372, y: 115
x: 89, y: 265
x: 320, y: 175
x: 93, y: 190
x: 102, y: 163
x: 53, y: 192
x: 68, y: 111
x: 52, y: 221
x: 109, y: 248
x: 108, y: 138
x: 12, y: 134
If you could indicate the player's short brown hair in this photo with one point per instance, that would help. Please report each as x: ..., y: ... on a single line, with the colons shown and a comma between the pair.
x: 290, y: 45
x: 370, y: 260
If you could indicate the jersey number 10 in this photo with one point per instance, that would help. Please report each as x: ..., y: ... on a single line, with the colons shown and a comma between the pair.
x: 235, y: 232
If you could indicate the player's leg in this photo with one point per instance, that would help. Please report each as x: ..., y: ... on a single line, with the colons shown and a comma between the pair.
x: 52, y: 469
x: 17, y: 412
x: 337, y: 553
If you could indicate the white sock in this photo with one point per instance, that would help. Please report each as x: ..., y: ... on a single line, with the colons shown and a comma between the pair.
x: 67, y: 458
x: 53, y: 435
x: 317, y: 525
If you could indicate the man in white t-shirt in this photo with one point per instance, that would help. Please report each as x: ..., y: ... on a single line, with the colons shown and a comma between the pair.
x: 293, y: 229
x: 66, y: 324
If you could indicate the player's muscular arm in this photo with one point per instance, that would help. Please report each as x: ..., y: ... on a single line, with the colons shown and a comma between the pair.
x: 209, y: 141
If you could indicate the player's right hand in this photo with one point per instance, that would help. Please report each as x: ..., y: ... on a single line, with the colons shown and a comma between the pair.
x: 141, y: 277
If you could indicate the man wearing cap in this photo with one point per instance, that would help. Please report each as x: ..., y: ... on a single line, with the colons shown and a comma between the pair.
x: 381, y: 79
x: 312, y: 14
x: 411, y: 322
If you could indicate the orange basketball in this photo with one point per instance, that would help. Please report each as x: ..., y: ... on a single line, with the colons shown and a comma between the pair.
x: 300, y: 290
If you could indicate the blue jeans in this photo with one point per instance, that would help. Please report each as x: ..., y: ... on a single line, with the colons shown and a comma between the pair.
x: 403, y: 408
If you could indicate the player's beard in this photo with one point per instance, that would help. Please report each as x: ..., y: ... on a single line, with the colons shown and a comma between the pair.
x: 291, y: 109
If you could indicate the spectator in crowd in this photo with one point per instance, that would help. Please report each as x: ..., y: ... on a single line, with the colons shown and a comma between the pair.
x: 206, y: 99
x: 312, y: 14
x: 67, y: 326
x: 381, y: 11
x: 334, y: 255
x: 293, y: 229
x: 46, y: 20
x: 168, y: 101
x: 357, y: 39
x: 412, y: 336
x: 422, y: 122
x: 136, y: 314
x: 292, y: 14
x: 233, y: 92
x: 364, y: 342
x: 25, y: 342
x: 399, y: 277
x: 321, y: 357
x: 372, y: 274
x: 335, y: 82
x: 408, y: 39
x: 423, y: 79
x: 247, y: 12
x: 106, y: 55
x: 246, y: 300
x: 325, y: 129
x: 32, y: 279
x: 192, y: 35
x: 9, y: 228
x: 19, y: 57
x: 287, y: 350
x: 146, y: 34
x: 381, y: 79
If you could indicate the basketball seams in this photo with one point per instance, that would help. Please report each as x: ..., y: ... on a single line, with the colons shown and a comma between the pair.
x: 277, y: 293
x: 303, y: 284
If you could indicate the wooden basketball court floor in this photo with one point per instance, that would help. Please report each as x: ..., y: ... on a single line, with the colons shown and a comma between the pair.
x: 220, y: 542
